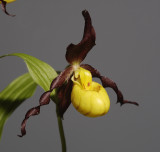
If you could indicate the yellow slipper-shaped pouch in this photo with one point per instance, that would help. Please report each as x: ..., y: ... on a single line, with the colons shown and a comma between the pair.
x: 88, y: 97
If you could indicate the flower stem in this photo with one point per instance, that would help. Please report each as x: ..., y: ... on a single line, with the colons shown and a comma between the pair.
x: 61, y: 131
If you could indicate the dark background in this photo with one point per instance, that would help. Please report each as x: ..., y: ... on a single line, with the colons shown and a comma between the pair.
x: 127, y: 51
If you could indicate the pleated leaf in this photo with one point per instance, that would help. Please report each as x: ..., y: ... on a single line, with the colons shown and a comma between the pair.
x: 42, y: 73
x: 13, y: 95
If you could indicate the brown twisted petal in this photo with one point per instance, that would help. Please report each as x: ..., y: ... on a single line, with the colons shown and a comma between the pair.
x: 3, y: 4
x: 31, y: 112
x: 64, y: 96
x: 45, y: 97
x: 106, y: 82
x: 77, y: 53
x: 44, y: 100
x: 62, y: 77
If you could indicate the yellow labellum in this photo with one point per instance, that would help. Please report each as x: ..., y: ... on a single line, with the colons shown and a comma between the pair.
x: 8, y: 1
x: 88, y: 97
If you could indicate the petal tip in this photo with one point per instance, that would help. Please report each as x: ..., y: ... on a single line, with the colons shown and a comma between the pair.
x: 85, y: 13
x: 20, y: 136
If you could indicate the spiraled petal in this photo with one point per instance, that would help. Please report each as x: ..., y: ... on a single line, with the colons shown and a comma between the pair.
x: 106, y: 82
x: 45, y: 97
x: 3, y: 4
x: 61, y: 78
x: 44, y: 100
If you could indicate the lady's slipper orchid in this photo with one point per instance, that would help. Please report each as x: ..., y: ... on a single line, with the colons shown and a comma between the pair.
x: 75, y: 84
x: 4, y: 3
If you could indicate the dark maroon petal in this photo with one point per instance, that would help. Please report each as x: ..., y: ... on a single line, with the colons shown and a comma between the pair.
x: 44, y: 100
x: 45, y: 97
x: 64, y: 96
x: 61, y: 78
x: 3, y: 4
x: 106, y: 82
x: 31, y: 112
x: 77, y: 53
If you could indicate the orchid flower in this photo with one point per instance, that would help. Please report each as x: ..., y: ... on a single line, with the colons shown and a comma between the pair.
x: 3, y: 5
x: 75, y: 84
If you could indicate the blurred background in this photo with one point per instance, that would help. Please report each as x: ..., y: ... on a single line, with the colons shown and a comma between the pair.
x: 127, y: 51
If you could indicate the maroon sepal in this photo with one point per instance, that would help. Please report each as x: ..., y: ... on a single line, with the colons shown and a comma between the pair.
x: 77, y: 53
x: 106, y: 82
x: 3, y: 4
x: 64, y: 96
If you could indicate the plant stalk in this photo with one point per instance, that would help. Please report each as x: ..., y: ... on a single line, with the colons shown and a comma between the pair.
x: 61, y: 131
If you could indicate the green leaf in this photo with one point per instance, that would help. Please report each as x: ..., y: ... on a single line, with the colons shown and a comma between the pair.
x: 23, y: 87
x: 13, y: 95
x: 42, y: 73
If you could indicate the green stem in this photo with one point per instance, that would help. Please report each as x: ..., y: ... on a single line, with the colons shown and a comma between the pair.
x: 61, y: 131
